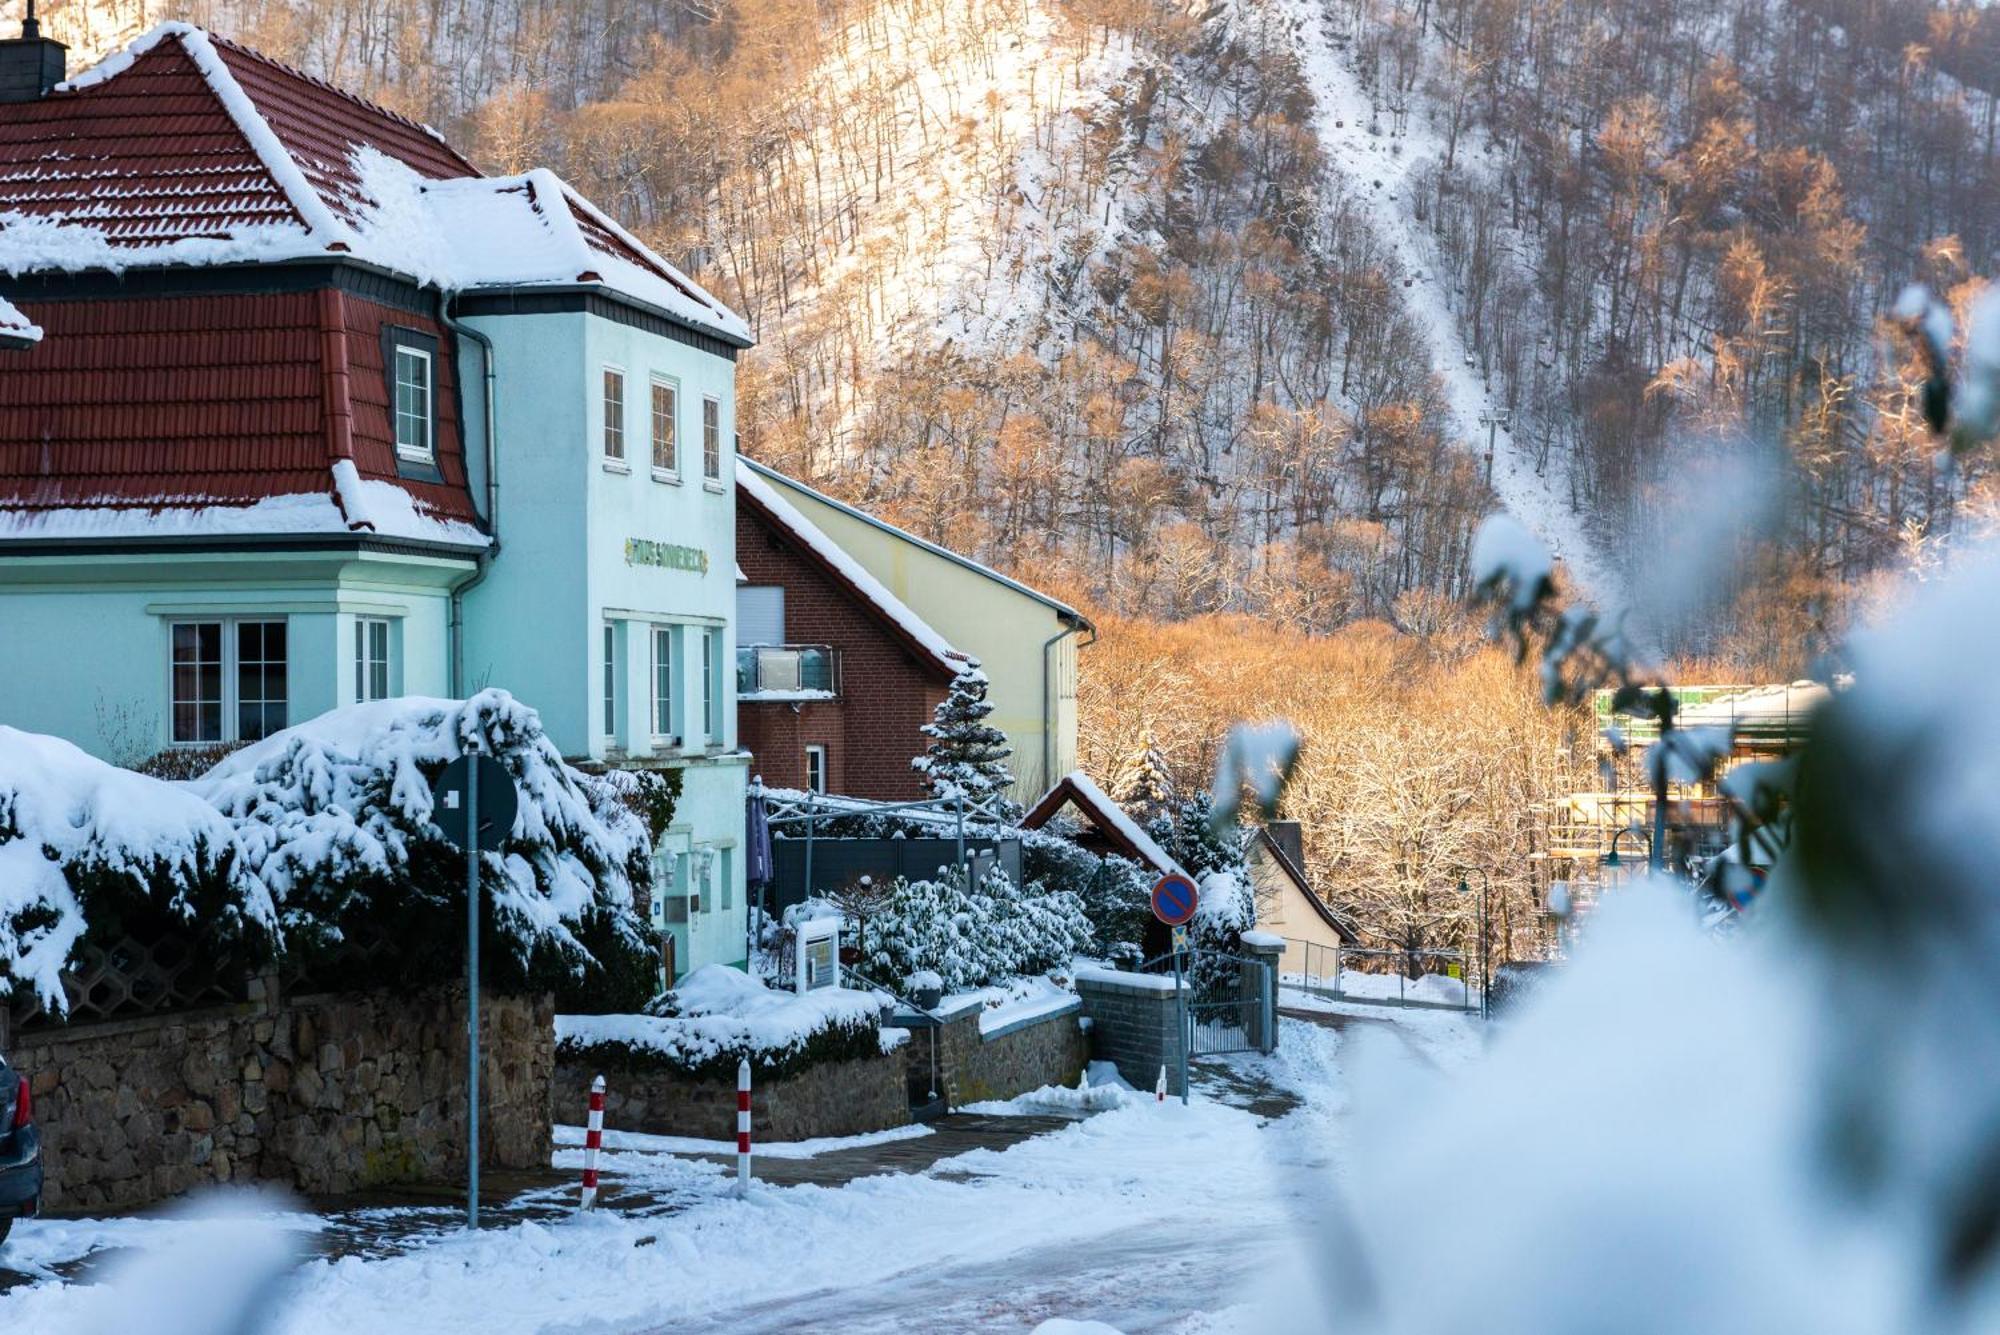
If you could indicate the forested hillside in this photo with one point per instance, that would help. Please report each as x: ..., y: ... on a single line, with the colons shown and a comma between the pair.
x: 1188, y: 309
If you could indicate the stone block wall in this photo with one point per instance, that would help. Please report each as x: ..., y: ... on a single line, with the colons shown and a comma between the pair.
x: 838, y: 1098
x: 326, y: 1093
x: 832, y: 1099
x: 1047, y: 1050
x: 1134, y: 1024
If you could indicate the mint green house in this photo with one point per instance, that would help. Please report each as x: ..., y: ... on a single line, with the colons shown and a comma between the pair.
x: 330, y: 417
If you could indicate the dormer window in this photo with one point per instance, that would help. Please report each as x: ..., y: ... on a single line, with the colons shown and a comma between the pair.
x: 414, y: 423
x: 410, y: 373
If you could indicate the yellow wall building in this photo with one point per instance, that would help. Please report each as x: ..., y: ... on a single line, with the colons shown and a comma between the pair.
x: 1026, y: 640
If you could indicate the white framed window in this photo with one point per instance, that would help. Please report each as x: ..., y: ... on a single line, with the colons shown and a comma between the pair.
x: 228, y: 680
x: 711, y: 437
x: 610, y: 679
x: 711, y: 712
x: 726, y: 890
x: 666, y: 427
x: 415, y: 396
x: 663, y: 682
x: 816, y: 768
x: 371, y: 659
x: 614, y: 415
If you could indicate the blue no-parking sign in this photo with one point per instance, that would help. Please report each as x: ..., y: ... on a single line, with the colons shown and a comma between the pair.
x: 1174, y: 899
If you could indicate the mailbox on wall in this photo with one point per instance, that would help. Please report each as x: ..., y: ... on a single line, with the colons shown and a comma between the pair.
x: 818, y: 955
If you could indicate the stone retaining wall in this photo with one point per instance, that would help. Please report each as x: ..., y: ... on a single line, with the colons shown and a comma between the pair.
x: 327, y: 1093
x: 1047, y: 1050
x: 831, y: 1099
x: 838, y: 1098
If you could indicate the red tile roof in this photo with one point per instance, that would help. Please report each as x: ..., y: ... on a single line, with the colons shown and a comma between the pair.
x: 162, y: 143
x: 174, y: 401
x: 135, y: 403
x: 186, y: 149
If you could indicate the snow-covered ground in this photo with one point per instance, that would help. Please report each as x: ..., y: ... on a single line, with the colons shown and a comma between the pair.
x: 1145, y: 1215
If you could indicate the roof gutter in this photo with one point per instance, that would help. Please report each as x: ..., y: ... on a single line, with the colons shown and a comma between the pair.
x: 491, y: 430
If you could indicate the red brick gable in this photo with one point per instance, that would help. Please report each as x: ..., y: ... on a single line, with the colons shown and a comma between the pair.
x: 889, y: 689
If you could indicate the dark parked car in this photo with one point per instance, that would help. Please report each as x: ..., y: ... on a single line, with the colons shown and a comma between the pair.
x: 20, y: 1150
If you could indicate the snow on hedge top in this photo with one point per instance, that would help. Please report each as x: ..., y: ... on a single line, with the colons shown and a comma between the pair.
x: 59, y: 805
x: 346, y: 793
x: 724, y: 1010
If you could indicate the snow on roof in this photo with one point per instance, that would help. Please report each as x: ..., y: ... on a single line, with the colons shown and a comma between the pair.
x: 534, y: 228
x: 885, y: 526
x: 783, y: 512
x: 89, y: 185
x: 1754, y: 705
x: 16, y: 329
x: 1077, y: 787
x: 377, y: 507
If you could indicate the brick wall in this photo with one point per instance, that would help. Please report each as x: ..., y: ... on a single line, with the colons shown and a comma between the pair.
x: 1133, y: 1024
x: 887, y: 693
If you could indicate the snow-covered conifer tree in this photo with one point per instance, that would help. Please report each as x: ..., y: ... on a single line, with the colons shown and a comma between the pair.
x: 1145, y: 787
x: 967, y: 755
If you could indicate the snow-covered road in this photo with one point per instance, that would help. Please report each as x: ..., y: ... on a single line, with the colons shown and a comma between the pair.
x: 1149, y: 1217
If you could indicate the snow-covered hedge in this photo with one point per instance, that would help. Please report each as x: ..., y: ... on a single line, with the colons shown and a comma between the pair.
x: 88, y: 847
x: 1115, y: 892
x: 716, y: 1017
x: 974, y: 936
x: 321, y: 836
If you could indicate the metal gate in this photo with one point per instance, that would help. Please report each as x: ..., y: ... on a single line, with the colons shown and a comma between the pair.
x: 1228, y: 1003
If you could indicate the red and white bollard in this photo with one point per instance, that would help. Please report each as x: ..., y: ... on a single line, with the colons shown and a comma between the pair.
x: 1160, y: 1087
x: 593, y: 1141
x: 743, y: 1127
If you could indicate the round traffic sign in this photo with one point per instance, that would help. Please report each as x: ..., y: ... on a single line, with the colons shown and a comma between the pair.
x: 451, y: 800
x: 1174, y: 899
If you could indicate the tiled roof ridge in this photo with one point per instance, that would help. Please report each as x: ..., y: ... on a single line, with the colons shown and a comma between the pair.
x: 117, y: 62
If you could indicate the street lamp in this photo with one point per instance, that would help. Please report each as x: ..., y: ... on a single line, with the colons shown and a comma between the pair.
x: 1485, y: 962
x: 1612, y: 860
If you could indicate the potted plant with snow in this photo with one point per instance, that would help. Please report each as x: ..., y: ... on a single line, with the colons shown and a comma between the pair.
x: 926, y: 988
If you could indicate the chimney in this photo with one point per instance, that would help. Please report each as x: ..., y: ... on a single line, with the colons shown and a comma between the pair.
x: 31, y: 64
x: 1290, y: 838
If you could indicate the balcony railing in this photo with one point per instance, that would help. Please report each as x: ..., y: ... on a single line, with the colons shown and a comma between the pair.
x: 787, y: 671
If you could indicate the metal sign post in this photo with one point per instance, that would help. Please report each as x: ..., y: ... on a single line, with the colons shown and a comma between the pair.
x: 1180, y: 1005
x: 1175, y: 898
x: 474, y: 803
x: 472, y: 1004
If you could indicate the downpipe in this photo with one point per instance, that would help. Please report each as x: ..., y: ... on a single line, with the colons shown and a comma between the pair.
x: 484, y: 562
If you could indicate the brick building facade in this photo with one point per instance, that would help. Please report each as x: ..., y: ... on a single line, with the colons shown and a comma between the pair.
x: 885, y: 674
